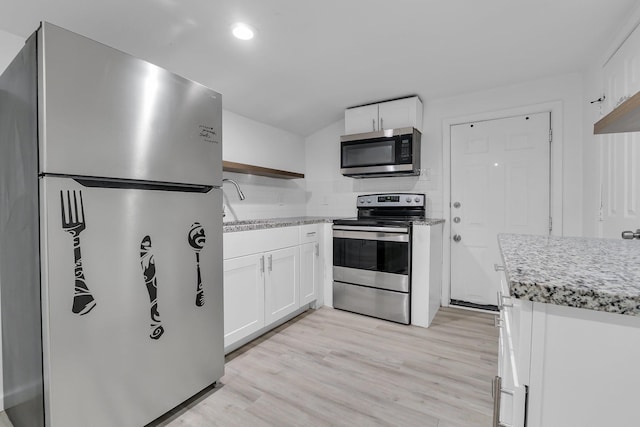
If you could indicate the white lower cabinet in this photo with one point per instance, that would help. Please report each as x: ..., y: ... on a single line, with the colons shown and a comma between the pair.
x: 269, y: 274
x: 310, y: 273
x: 510, y: 387
x: 565, y: 366
x: 243, y: 297
x: 282, y: 283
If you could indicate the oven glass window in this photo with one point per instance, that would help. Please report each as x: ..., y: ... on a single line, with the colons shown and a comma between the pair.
x: 368, y: 154
x: 373, y: 255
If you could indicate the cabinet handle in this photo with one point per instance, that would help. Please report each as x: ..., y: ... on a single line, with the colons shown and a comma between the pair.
x: 495, y: 392
x: 501, y: 298
x: 497, y: 322
x: 262, y: 264
x: 317, y: 249
x: 311, y: 233
x: 270, y: 262
x: 381, y: 124
x: 373, y: 124
x: 497, y: 267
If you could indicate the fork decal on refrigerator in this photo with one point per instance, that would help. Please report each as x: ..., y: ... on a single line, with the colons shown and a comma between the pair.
x: 196, y: 239
x: 148, y: 264
x: 74, y: 222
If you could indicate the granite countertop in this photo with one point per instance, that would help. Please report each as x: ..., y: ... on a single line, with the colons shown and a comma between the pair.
x: 258, y: 224
x: 590, y: 273
x: 429, y: 221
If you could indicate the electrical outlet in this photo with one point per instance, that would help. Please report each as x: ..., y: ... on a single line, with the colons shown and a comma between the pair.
x: 425, y: 174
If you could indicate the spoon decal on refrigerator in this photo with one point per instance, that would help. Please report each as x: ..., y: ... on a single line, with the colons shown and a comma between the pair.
x: 148, y: 264
x: 196, y: 239
x: 74, y: 222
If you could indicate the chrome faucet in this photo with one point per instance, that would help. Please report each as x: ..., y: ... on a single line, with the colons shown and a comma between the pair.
x: 240, y: 193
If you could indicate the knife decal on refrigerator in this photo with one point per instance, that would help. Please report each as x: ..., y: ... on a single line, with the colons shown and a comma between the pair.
x: 74, y: 222
x: 148, y: 264
x: 196, y: 239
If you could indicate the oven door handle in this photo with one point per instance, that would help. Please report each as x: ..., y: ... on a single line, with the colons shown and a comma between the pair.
x: 371, y: 235
x: 372, y: 228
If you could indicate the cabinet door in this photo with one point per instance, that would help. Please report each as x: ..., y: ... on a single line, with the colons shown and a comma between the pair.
x: 513, y: 356
x: 621, y: 79
x: 400, y: 113
x: 282, y: 283
x: 243, y: 297
x: 361, y: 119
x: 309, y: 272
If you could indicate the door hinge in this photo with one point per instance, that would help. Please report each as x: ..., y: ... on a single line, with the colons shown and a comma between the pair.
x: 550, y: 224
x: 550, y: 135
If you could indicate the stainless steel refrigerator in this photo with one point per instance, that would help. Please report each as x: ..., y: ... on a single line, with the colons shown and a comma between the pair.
x: 110, y: 235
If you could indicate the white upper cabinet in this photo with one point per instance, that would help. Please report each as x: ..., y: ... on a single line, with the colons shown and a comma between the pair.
x: 399, y: 113
x: 622, y: 73
x: 361, y: 119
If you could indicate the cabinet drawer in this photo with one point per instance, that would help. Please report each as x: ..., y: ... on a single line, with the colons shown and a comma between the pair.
x: 242, y: 243
x: 309, y: 233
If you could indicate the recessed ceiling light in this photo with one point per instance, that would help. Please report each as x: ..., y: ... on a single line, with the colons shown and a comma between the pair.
x: 242, y: 31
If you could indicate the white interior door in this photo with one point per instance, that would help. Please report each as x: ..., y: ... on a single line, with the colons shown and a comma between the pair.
x: 620, y: 192
x: 499, y: 184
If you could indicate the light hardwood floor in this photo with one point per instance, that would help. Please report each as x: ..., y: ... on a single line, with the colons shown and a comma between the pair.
x: 332, y: 368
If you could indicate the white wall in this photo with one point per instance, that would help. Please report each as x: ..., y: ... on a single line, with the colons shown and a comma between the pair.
x: 247, y: 141
x: 591, y: 155
x: 10, y: 45
x: 331, y: 194
x: 334, y: 195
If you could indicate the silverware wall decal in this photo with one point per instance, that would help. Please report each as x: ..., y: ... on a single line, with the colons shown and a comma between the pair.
x: 197, y: 239
x: 74, y: 222
x: 148, y: 264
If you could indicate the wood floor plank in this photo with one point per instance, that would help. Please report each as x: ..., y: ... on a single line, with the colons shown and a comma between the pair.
x: 329, y: 367
x: 333, y: 368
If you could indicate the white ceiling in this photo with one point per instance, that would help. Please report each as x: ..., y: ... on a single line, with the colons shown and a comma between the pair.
x: 312, y: 59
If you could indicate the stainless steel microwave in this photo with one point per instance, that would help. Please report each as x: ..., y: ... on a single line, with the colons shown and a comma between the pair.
x: 390, y: 152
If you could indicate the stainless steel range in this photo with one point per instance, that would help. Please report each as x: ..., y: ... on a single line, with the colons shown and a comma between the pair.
x: 372, y: 256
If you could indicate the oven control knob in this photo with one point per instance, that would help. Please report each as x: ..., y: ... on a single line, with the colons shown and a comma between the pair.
x: 361, y: 201
x: 369, y: 200
x: 417, y: 199
x: 408, y: 199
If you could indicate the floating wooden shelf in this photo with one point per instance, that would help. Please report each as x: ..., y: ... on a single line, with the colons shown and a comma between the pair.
x: 259, y: 170
x: 624, y: 118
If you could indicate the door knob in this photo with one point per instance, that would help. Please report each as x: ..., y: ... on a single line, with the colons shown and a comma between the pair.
x: 456, y: 205
x: 631, y: 234
x: 456, y: 219
x: 457, y: 238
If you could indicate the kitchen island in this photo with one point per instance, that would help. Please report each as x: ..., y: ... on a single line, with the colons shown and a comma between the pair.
x: 570, y: 331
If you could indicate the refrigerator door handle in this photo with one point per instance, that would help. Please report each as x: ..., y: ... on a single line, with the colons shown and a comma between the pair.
x: 120, y: 183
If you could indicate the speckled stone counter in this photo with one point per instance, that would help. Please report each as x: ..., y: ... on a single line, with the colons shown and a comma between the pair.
x: 429, y: 221
x: 259, y: 224
x: 590, y: 273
